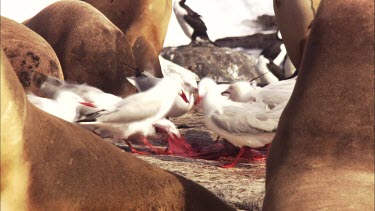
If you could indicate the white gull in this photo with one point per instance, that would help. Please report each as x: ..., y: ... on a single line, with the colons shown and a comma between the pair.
x: 271, y: 95
x: 89, y: 93
x: 63, y: 104
x: 242, y: 124
x: 136, y: 114
x: 179, y: 107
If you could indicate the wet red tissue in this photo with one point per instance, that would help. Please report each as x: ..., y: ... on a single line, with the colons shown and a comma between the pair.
x: 216, y: 151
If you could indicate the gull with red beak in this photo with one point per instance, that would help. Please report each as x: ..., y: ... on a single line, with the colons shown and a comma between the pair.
x: 271, y: 95
x: 89, y: 93
x: 136, y: 114
x: 204, y: 84
x: 63, y: 104
x: 245, y: 125
x: 145, y: 81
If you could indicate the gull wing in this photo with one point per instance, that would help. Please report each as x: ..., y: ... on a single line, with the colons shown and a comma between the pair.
x: 239, y: 120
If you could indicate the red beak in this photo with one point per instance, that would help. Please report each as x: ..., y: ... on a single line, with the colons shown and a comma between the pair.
x: 198, y: 100
x: 88, y: 104
x: 184, y: 96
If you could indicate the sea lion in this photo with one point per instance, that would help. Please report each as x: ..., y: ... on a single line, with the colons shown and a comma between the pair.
x: 91, y: 49
x: 29, y: 54
x: 50, y: 164
x: 294, y: 18
x: 322, y: 157
x: 146, y: 19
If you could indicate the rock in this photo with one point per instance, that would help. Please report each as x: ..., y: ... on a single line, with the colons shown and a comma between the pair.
x: 142, y: 19
x: 54, y: 165
x: 322, y: 157
x: 257, y: 41
x: 222, y: 64
x: 169, y: 68
x: 91, y: 49
x: 29, y: 54
x: 268, y: 22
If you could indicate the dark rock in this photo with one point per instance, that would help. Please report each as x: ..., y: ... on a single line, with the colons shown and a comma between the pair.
x: 268, y: 22
x: 91, y: 49
x: 258, y: 41
x: 222, y: 64
x: 29, y: 54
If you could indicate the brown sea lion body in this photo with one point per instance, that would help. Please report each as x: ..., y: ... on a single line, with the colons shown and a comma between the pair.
x: 294, y: 18
x: 29, y: 54
x: 56, y: 165
x: 322, y: 157
x: 91, y: 49
x: 142, y: 19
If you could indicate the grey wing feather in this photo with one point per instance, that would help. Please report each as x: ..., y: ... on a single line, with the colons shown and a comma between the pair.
x: 131, y: 110
x: 239, y: 120
x: 143, y: 83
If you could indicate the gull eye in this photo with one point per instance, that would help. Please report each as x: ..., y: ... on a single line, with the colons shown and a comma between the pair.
x: 187, y: 85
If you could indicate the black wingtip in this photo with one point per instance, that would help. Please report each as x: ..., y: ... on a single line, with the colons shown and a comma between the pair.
x: 86, y: 120
x: 90, y: 117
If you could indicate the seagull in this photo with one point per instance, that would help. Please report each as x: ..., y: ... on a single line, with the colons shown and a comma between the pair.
x: 174, y: 137
x: 245, y: 125
x: 89, y: 93
x: 64, y: 104
x: 167, y: 127
x: 241, y: 91
x: 190, y: 22
x: 180, y: 106
x: 190, y: 79
x: 271, y: 95
x: 170, y: 68
x: 136, y: 114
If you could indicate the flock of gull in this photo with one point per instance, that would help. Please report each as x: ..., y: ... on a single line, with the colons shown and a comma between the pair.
x: 242, y: 113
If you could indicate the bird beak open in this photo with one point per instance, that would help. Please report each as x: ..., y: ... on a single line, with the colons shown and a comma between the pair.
x: 184, y: 96
x: 88, y: 104
x: 226, y: 93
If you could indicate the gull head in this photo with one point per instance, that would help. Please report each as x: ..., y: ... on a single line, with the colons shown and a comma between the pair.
x: 239, y: 91
x: 204, y: 85
x: 71, y: 99
x: 176, y: 82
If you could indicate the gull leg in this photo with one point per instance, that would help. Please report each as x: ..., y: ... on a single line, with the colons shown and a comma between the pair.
x: 133, y: 150
x: 257, y: 155
x: 145, y: 141
x: 242, y: 150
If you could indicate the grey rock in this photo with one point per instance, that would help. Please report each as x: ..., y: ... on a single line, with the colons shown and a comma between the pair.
x: 268, y: 22
x: 258, y: 41
x: 206, y: 59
